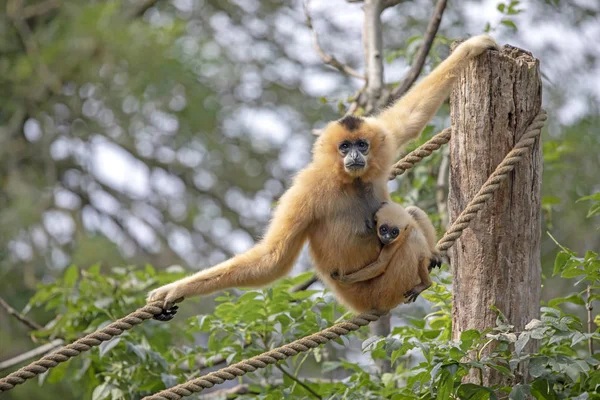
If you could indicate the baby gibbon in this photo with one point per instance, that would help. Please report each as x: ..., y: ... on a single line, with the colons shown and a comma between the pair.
x: 332, y: 201
x: 401, y: 272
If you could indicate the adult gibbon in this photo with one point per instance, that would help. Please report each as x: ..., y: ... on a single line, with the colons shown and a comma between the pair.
x: 401, y: 272
x: 332, y: 201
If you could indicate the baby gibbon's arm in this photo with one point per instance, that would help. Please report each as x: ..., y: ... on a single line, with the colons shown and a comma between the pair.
x: 377, y: 267
x: 411, y: 113
x: 269, y: 260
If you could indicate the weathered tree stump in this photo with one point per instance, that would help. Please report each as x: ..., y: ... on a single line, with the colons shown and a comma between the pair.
x: 497, y: 259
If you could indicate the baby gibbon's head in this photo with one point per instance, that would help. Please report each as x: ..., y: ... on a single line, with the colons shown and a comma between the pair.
x: 391, y: 219
x: 354, y: 147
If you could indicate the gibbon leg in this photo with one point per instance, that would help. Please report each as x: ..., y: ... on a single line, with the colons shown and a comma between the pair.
x: 377, y: 267
x: 424, y: 223
x: 426, y: 282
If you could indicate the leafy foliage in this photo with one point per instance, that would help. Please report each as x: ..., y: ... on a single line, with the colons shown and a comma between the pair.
x: 427, y: 362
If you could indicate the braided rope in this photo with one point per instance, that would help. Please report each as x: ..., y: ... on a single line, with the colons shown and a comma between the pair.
x: 425, y: 150
x: 301, y: 345
x: 263, y: 360
x: 493, y: 182
x: 82, y: 345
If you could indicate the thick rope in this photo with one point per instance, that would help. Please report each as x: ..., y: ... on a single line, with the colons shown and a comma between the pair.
x: 343, y: 328
x: 263, y: 360
x: 493, y: 182
x: 425, y: 150
x: 82, y: 345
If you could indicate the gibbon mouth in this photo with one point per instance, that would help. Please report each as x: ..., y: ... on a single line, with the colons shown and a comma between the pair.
x: 355, y: 165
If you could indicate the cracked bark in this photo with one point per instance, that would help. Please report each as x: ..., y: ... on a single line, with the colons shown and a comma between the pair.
x: 497, y: 259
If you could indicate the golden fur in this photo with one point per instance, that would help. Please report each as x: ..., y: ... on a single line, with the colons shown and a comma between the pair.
x: 329, y: 206
x: 401, y: 272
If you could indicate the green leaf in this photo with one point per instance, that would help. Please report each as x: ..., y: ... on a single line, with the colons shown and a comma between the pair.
x: 560, y: 261
x: 537, y: 366
x: 101, y: 392
x: 467, y: 337
x: 501, y: 7
x: 71, y: 276
x: 519, y: 392
x: 574, y: 298
x: 509, y: 23
x: 522, y: 342
x: 470, y: 391
x: 105, y: 347
x: 446, y: 385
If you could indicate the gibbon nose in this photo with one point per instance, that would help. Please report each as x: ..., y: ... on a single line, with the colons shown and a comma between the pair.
x: 387, y: 238
x: 354, y: 160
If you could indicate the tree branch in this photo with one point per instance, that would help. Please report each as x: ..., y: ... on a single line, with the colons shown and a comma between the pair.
x: 373, y: 47
x: 20, y: 317
x: 38, y: 351
x: 419, y: 61
x: 328, y: 59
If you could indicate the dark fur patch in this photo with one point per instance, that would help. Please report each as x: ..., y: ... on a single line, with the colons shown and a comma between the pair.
x: 351, y: 122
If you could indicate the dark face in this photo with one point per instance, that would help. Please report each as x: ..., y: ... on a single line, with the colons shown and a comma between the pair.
x: 388, y: 234
x: 354, y: 154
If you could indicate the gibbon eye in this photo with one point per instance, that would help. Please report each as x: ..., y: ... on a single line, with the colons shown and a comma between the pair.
x: 362, y: 145
x: 383, y: 229
x: 395, y: 232
x: 344, y: 147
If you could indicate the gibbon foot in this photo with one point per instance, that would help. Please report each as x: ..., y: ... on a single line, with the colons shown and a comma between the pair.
x: 412, y: 294
x: 167, y: 314
x: 435, y: 262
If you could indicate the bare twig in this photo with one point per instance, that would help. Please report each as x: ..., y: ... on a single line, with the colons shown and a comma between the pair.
x: 419, y: 61
x: 373, y: 47
x: 20, y: 317
x: 327, y: 58
x: 298, y: 381
x: 590, y: 319
x: 38, y: 351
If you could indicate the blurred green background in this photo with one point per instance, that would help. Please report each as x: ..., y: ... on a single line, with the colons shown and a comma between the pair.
x: 162, y: 132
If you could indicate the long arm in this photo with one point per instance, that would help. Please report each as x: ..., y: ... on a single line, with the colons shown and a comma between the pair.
x: 267, y: 261
x: 410, y: 114
x: 377, y: 267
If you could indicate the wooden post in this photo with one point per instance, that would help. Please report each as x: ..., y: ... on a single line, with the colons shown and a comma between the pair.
x: 497, y: 259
